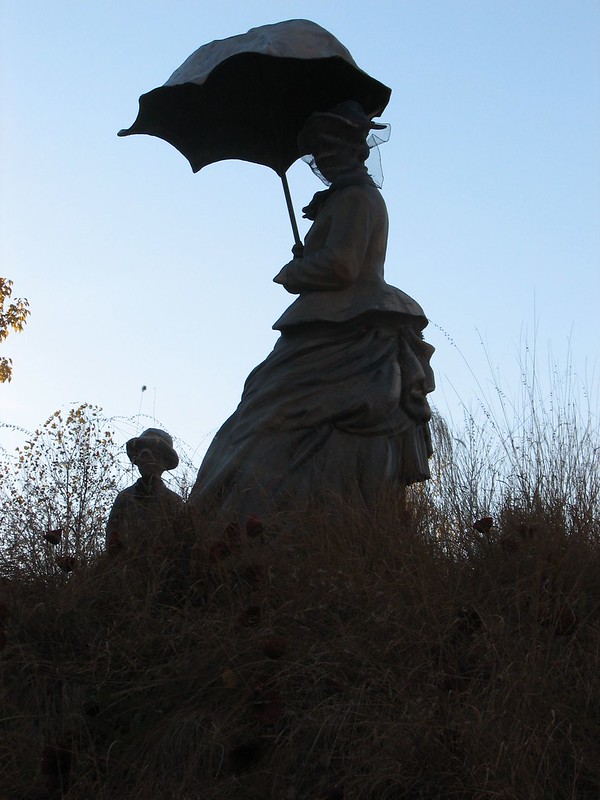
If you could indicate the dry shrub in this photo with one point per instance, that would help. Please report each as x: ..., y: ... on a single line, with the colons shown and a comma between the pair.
x: 56, y: 491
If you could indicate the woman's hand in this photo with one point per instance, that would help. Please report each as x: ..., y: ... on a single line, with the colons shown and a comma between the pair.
x: 298, y: 250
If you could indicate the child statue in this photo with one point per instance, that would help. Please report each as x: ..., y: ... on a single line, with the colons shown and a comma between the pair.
x: 148, y: 508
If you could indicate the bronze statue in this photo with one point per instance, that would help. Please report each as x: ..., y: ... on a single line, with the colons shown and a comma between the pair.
x: 148, y: 508
x: 340, y: 405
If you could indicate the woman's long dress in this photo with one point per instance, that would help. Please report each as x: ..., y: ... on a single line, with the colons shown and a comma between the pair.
x: 339, y: 407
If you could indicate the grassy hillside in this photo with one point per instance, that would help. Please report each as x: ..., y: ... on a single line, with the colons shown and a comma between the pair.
x: 446, y: 645
x: 327, y: 656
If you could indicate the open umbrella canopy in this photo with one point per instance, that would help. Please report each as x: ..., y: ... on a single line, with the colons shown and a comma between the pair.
x: 247, y: 97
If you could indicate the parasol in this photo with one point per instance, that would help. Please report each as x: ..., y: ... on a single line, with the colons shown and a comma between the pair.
x: 248, y: 96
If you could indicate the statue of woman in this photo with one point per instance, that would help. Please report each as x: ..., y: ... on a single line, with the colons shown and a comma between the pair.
x: 339, y: 408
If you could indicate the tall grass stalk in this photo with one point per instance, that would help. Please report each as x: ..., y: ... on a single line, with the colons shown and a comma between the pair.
x: 536, y: 448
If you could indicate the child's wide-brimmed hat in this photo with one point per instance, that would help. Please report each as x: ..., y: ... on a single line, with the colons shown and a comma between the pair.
x: 156, y: 440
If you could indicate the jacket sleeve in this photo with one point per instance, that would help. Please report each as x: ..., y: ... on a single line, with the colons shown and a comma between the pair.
x: 338, y: 259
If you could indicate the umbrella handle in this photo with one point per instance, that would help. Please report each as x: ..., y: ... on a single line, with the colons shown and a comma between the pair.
x: 290, y: 207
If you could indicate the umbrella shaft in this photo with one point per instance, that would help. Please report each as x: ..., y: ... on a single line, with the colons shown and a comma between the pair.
x: 290, y: 207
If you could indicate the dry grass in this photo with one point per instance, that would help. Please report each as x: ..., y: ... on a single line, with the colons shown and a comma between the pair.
x: 331, y: 656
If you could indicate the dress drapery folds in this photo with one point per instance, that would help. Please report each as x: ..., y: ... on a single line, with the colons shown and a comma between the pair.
x: 340, y: 405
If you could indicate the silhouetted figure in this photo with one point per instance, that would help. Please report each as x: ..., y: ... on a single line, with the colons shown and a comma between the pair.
x: 339, y: 408
x: 148, y: 508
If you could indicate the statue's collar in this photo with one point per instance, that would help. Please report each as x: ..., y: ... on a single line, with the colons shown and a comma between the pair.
x: 355, y: 177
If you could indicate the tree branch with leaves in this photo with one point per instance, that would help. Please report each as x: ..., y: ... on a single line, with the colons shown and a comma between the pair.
x: 12, y: 317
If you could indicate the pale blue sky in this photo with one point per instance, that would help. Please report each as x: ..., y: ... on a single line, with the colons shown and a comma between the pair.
x: 140, y: 273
